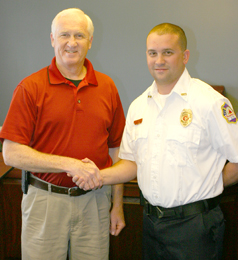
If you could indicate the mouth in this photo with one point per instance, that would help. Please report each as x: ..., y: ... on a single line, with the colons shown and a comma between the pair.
x: 68, y: 51
x: 160, y: 69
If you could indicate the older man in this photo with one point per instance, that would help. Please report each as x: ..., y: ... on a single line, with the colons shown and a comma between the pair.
x: 179, y: 134
x: 58, y: 116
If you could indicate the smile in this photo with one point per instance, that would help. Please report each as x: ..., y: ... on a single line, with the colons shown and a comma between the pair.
x: 70, y: 51
x: 160, y: 69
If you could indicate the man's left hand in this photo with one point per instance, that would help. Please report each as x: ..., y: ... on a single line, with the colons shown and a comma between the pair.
x: 117, y: 220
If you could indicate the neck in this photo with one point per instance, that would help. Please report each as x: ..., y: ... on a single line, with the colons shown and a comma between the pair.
x: 166, y: 86
x: 164, y: 89
x: 75, y: 73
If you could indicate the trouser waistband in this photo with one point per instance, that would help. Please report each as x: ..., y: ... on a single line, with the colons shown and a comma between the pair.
x: 40, y: 184
x: 184, y: 210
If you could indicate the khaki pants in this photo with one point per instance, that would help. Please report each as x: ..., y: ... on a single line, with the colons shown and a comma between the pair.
x: 53, y: 224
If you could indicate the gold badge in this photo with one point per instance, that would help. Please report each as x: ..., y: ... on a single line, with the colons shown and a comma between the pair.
x: 186, y: 117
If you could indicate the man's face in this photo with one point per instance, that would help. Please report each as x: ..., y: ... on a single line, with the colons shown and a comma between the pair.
x: 166, y: 60
x: 71, y: 41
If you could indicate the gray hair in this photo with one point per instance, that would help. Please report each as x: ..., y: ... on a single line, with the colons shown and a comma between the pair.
x: 90, y: 26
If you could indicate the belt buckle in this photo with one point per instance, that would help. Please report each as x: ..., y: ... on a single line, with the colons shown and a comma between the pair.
x: 72, y: 190
x: 159, y: 212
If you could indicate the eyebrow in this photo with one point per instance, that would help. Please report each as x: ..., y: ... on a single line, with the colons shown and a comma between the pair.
x: 166, y: 49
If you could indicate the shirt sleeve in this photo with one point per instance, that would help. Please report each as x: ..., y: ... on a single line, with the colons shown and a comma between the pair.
x: 20, y: 120
x: 118, y: 123
x: 223, y: 129
x: 126, y: 147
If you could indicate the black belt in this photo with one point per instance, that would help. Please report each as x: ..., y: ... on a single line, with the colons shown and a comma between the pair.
x: 184, y: 210
x: 38, y: 183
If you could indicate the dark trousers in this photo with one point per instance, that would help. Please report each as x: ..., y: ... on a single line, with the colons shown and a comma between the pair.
x: 197, y: 237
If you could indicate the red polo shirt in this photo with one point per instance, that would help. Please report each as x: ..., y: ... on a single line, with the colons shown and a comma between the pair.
x: 52, y: 115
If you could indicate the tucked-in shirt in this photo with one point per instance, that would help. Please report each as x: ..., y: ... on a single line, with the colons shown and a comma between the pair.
x: 180, y: 148
x: 50, y: 114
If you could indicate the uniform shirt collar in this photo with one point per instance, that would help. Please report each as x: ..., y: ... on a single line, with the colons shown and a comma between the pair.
x: 55, y: 77
x: 181, y: 87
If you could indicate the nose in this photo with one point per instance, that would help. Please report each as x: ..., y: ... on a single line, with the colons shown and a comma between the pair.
x: 72, y: 41
x: 160, y: 59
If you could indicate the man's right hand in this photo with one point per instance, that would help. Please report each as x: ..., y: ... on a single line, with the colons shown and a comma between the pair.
x: 91, y: 180
x: 88, y: 177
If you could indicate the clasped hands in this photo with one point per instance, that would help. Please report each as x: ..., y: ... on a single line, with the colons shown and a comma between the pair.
x: 88, y: 177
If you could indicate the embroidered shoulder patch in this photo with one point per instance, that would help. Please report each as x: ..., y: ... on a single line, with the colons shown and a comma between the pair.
x: 228, y: 114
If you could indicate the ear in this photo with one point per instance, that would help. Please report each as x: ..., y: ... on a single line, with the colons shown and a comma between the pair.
x: 90, y: 43
x: 52, y: 40
x: 186, y: 55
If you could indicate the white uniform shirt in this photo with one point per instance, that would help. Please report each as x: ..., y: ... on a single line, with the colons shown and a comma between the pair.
x: 179, y: 164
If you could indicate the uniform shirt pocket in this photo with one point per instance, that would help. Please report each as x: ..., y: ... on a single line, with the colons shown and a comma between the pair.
x: 138, y: 140
x: 182, y: 145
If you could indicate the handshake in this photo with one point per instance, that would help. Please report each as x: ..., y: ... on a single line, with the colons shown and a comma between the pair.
x: 88, y: 177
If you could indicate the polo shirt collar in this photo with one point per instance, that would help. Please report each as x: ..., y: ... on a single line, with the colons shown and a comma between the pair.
x: 55, y: 77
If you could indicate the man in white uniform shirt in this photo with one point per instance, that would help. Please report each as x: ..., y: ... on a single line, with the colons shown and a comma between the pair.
x: 178, y: 137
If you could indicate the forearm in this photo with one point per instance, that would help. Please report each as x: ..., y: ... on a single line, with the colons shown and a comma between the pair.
x: 117, y: 189
x: 117, y: 195
x: 230, y: 174
x: 24, y: 157
x: 121, y: 172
